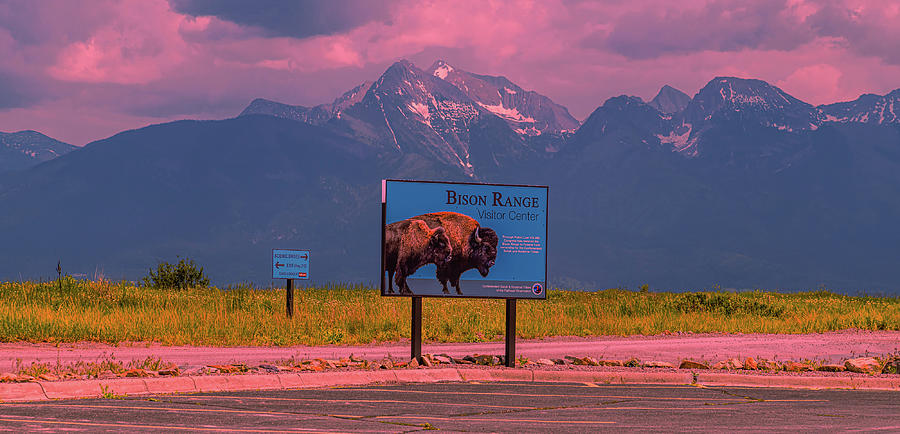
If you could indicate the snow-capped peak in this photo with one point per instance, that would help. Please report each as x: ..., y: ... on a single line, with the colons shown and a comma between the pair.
x: 743, y: 99
x: 737, y: 92
x: 527, y: 113
x: 868, y: 108
x: 510, y: 113
x: 442, y: 69
x: 24, y: 149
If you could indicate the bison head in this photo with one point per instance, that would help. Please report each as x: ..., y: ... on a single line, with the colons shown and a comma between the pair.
x: 439, y: 250
x: 484, y: 249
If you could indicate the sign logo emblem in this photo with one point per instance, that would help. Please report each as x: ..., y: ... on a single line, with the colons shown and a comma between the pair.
x: 537, y: 289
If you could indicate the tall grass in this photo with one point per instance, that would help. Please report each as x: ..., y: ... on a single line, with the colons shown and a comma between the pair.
x: 103, y: 311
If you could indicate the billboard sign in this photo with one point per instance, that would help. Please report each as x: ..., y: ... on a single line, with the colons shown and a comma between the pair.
x: 290, y: 264
x: 445, y: 239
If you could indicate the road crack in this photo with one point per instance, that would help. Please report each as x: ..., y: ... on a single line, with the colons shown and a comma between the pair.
x: 749, y: 399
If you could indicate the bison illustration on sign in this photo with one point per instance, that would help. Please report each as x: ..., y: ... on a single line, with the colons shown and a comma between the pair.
x: 473, y: 246
x: 409, y: 245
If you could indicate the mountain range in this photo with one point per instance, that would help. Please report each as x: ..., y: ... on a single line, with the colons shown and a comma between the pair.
x: 741, y: 185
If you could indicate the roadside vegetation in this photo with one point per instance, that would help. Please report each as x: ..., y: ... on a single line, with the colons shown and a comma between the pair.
x: 72, y: 310
x: 183, y: 275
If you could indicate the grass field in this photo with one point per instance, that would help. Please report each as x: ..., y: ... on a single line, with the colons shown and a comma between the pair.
x: 103, y: 311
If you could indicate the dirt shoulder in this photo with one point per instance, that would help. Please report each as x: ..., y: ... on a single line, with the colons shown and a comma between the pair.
x: 832, y: 347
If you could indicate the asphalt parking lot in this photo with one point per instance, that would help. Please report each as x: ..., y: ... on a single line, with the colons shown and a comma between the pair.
x: 506, y: 406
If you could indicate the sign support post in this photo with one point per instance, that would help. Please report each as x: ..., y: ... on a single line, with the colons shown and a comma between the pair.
x: 416, y: 329
x: 289, y: 298
x: 510, y: 332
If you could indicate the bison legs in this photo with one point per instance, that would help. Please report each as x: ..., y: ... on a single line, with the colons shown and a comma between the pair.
x: 390, y: 281
x: 402, y: 272
x: 402, y: 285
x: 443, y: 276
x: 455, y: 282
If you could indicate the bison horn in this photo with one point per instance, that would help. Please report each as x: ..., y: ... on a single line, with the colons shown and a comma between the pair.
x: 475, y: 234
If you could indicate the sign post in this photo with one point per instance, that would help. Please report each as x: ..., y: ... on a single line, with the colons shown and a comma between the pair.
x: 416, y: 331
x: 290, y: 264
x: 289, y: 298
x: 510, y: 358
x: 463, y: 240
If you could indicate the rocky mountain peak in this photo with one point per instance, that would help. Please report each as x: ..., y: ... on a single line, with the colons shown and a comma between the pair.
x: 733, y: 92
x: 23, y: 149
x: 868, y: 108
x: 398, y: 71
x: 623, y: 102
x: 406, y: 82
x: 670, y: 100
x: 352, y: 96
x: 623, y: 122
x: 527, y: 112
x: 749, y: 100
x: 440, y: 69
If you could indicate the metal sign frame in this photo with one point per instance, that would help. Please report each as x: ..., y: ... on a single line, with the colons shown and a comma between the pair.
x: 300, y: 275
x: 416, y: 300
x: 384, y: 223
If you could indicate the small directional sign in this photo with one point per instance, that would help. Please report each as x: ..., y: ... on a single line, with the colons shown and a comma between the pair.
x: 290, y: 264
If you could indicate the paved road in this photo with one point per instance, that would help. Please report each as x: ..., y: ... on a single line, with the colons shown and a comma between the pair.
x: 516, y: 407
x: 834, y: 347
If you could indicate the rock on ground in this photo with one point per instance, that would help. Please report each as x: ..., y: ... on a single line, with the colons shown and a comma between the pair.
x: 796, y: 366
x: 750, y: 363
x: 831, y: 368
x: 690, y: 364
x: 658, y: 364
x: 729, y: 364
x: 864, y: 365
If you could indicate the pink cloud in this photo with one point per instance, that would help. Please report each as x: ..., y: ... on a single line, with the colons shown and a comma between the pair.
x: 818, y: 83
x: 143, y: 61
x: 140, y: 46
x: 66, y: 123
x: 866, y: 28
x: 717, y: 25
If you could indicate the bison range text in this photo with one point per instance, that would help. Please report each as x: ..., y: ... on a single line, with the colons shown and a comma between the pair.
x: 455, y: 198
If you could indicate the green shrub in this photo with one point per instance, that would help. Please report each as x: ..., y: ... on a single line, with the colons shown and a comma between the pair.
x: 723, y: 304
x: 182, y: 275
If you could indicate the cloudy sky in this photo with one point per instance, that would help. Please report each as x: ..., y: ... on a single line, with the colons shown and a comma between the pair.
x: 82, y: 70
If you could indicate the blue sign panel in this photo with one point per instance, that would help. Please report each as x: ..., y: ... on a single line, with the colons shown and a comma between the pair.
x: 290, y: 264
x: 464, y: 240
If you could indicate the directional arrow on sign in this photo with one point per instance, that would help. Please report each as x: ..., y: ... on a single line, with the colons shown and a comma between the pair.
x: 278, y: 265
x: 304, y: 256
